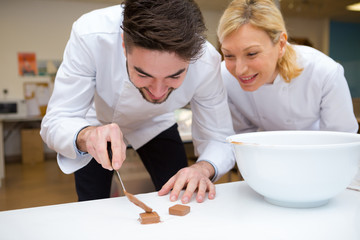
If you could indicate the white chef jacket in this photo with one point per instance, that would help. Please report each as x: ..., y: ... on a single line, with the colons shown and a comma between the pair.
x: 318, y: 99
x: 93, y: 73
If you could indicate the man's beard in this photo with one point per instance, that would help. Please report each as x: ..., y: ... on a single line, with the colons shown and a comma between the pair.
x: 154, y: 101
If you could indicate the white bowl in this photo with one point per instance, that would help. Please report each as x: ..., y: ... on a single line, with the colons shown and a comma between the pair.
x: 297, y: 168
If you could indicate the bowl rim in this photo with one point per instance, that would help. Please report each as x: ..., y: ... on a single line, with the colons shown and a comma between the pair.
x: 230, y: 139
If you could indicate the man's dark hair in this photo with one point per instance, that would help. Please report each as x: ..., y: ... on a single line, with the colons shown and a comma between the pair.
x: 165, y: 25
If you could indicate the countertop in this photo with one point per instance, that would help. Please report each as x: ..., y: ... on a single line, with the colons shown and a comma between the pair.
x: 237, y: 212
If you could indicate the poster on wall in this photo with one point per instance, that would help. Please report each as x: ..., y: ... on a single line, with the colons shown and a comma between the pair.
x: 48, y: 67
x: 27, y: 64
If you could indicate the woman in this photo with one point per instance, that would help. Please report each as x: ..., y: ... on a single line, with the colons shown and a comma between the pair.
x: 282, y: 86
x: 274, y: 85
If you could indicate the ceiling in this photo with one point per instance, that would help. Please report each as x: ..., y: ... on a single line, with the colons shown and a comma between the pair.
x: 332, y: 9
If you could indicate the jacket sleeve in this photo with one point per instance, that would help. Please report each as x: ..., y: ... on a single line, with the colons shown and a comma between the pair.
x: 211, y: 122
x: 71, y: 99
x: 336, y: 108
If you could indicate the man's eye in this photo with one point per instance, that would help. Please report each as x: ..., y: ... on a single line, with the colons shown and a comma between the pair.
x: 142, y: 76
x: 175, y: 77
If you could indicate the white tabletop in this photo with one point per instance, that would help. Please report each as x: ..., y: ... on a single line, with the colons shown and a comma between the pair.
x: 236, y: 213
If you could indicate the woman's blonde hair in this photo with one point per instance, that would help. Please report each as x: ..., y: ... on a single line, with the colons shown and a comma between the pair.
x: 264, y: 15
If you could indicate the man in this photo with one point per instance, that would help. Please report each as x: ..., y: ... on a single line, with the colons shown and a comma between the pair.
x: 125, y: 70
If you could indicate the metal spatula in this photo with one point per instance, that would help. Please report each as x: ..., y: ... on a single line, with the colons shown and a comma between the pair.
x: 131, y: 197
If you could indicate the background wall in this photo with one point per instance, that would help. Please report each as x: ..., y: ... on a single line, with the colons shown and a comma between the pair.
x: 36, y: 26
x: 315, y: 30
x: 44, y: 27
x: 345, y: 48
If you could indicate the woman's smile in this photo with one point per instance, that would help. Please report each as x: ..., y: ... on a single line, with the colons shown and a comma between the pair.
x: 247, y: 79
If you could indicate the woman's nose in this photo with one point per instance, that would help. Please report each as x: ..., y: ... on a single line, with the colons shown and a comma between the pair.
x: 241, y: 67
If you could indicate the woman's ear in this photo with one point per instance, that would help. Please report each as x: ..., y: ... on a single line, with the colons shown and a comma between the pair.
x: 123, y: 44
x: 282, y: 44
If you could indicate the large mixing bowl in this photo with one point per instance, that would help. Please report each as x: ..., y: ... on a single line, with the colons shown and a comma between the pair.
x: 297, y: 168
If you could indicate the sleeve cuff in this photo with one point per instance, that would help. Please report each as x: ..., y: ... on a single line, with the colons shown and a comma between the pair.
x: 215, y: 168
x: 78, y: 152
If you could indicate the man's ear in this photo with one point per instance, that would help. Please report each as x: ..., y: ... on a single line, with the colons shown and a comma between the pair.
x: 282, y: 44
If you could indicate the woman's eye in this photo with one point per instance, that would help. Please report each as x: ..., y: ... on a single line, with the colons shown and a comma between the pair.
x: 228, y: 56
x: 252, y: 54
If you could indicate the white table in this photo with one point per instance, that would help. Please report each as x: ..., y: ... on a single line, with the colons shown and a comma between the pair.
x: 11, y: 119
x: 236, y: 213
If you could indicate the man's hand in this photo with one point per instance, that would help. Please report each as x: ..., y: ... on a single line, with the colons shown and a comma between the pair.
x: 194, y: 177
x: 94, y: 141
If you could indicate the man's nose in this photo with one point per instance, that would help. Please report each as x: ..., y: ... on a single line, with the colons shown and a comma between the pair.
x: 158, y: 88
